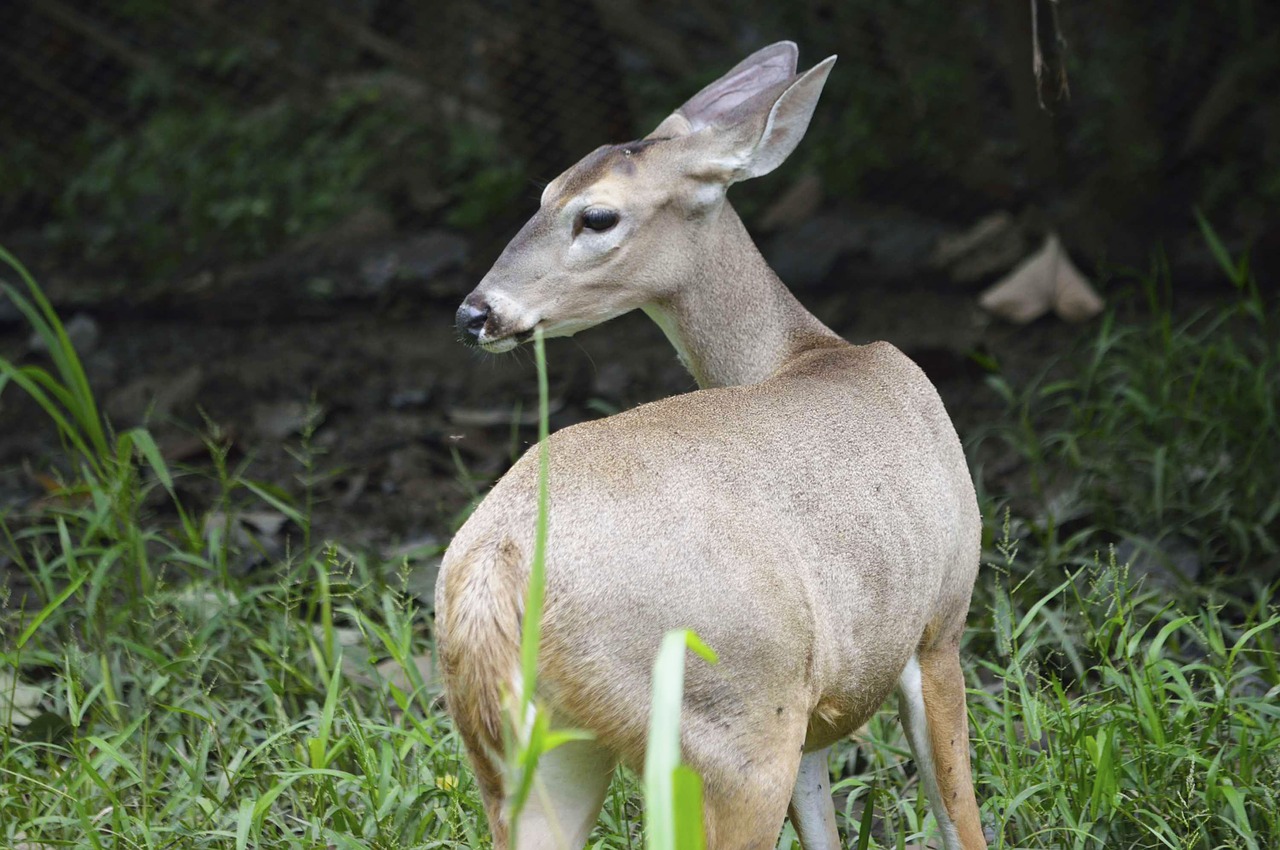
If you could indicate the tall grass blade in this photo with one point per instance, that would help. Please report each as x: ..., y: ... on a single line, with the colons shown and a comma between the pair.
x: 56, y: 602
x: 868, y: 816
x: 533, y: 735
x: 142, y: 440
x: 47, y: 324
x: 666, y: 814
x: 531, y: 635
x: 1233, y: 272
x: 45, y: 612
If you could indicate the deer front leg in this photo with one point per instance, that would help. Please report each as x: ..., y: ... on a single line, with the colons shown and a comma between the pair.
x: 933, y: 714
x: 812, y: 812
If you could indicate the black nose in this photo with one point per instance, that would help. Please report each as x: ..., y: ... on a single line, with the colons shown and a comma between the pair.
x: 471, y: 318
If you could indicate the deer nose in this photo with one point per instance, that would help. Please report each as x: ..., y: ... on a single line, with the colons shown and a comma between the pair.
x: 471, y: 318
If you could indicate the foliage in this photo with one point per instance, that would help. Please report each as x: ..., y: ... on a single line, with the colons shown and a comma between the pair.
x: 1113, y: 718
x: 192, y: 708
x: 104, y: 496
x: 672, y: 789
x: 219, y: 181
x: 1101, y: 715
x: 220, y: 712
x: 482, y: 180
x: 213, y: 717
x: 1163, y: 432
x: 189, y: 180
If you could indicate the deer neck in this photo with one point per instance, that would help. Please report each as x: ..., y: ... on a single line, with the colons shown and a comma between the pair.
x: 733, y: 321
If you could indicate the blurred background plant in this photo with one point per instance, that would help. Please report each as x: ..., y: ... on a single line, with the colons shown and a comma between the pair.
x: 222, y: 507
x: 223, y: 130
x: 1158, y: 431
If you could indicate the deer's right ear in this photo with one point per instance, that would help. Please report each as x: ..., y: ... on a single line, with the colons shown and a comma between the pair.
x: 759, y: 72
x: 757, y: 135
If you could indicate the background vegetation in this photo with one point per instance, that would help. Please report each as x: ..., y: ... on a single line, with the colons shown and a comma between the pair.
x: 153, y: 699
x: 154, y: 137
x: 178, y: 671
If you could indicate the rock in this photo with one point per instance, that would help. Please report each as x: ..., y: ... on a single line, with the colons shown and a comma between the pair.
x: 281, y: 419
x: 393, y: 673
x: 505, y: 416
x: 19, y: 702
x: 422, y: 581
x: 900, y: 242
x: 1045, y: 281
x: 82, y: 332
x: 612, y: 380
x: 796, y: 205
x: 804, y: 255
x: 418, y: 260
x: 417, y: 397
x: 365, y: 224
x: 415, y: 549
x: 319, y: 280
x: 406, y: 466
x: 934, y: 325
x: 417, y: 561
x: 1166, y: 563
x: 153, y: 396
x: 254, y: 537
x: 891, y: 245
x: 203, y: 600
x: 991, y: 246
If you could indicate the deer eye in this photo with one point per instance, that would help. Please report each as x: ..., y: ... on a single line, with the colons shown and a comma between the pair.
x: 599, y: 219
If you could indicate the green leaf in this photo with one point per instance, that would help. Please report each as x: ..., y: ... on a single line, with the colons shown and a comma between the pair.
x: 690, y: 830
x: 868, y: 817
x: 141, y: 439
x: 662, y: 755
x: 275, y: 501
x: 1219, y: 251
x: 47, y: 610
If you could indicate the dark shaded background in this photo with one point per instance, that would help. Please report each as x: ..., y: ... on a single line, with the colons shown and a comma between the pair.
x: 265, y: 213
x: 158, y: 137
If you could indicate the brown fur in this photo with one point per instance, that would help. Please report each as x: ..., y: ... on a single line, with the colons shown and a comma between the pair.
x: 478, y: 609
x: 942, y: 682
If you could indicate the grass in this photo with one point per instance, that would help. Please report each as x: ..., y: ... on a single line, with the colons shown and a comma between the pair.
x: 183, y: 707
x: 1163, y: 433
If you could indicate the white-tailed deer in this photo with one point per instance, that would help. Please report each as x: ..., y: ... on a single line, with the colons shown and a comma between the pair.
x: 808, y: 511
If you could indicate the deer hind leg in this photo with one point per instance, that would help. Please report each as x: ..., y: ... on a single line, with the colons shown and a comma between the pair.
x: 812, y: 811
x: 746, y: 792
x: 933, y: 714
x: 569, y: 787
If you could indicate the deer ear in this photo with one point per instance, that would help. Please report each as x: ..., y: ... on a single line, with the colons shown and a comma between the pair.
x: 759, y: 72
x: 763, y: 131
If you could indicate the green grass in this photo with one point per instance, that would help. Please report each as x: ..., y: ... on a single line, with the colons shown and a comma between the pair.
x: 184, y: 707
x: 1162, y: 431
x: 254, y: 180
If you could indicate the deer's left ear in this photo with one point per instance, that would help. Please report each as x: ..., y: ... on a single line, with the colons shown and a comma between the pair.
x: 762, y: 70
x: 758, y: 135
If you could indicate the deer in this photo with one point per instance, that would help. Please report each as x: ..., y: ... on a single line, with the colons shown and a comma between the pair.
x: 807, y: 511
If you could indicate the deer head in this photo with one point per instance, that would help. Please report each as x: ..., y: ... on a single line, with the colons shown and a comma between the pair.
x: 630, y: 224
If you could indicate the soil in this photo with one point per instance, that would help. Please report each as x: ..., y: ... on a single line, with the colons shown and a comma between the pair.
x: 407, y: 426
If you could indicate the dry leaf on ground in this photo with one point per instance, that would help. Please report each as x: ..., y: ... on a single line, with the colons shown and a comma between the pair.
x: 1047, y: 280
